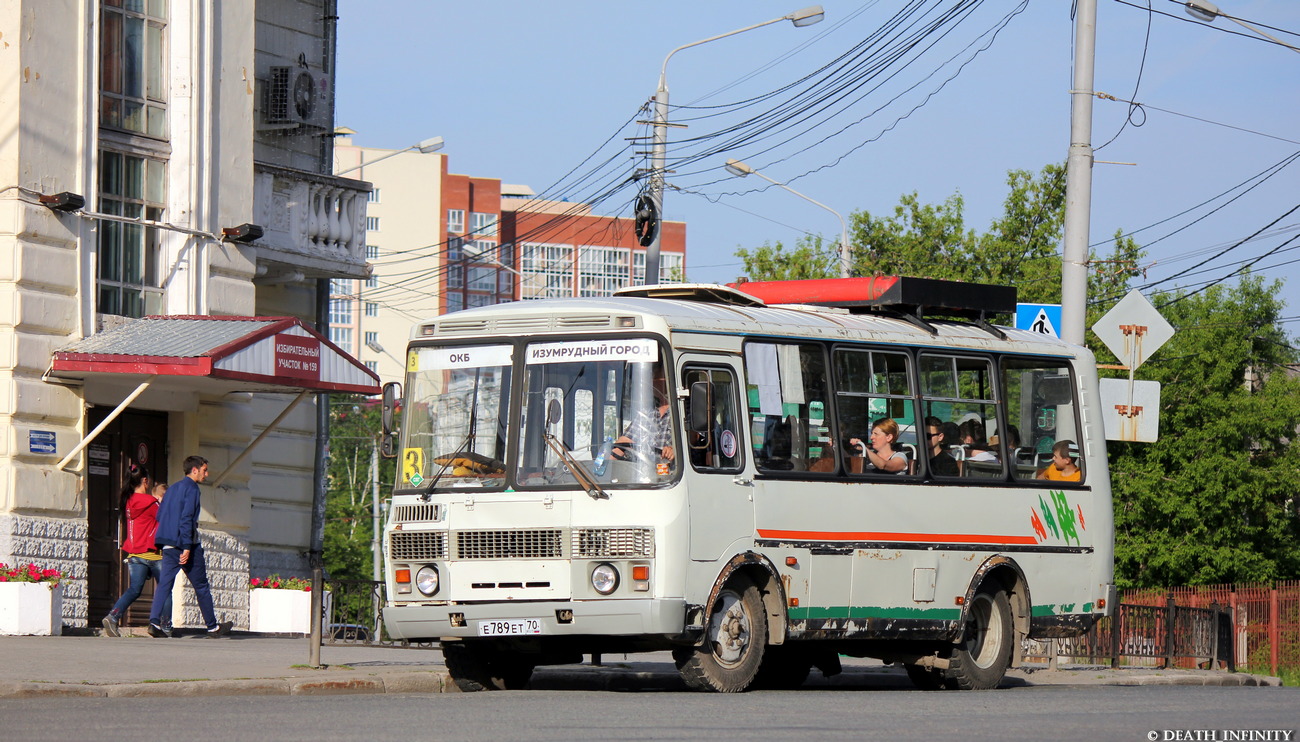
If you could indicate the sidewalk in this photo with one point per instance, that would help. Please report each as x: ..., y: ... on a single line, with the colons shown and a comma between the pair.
x: 245, y: 664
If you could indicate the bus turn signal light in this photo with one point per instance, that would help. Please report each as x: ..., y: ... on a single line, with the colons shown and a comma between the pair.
x: 641, y: 573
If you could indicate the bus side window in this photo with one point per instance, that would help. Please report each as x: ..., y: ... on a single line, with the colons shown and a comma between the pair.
x: 960, y: 400
x: 1041, y: 409
x: 716, y: 448
x: 872, y: 387
x: 786, y: 392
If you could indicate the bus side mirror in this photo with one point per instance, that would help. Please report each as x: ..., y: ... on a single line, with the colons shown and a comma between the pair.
x: 392, y: 393
x: 701, y: 401
x: 387, y: 415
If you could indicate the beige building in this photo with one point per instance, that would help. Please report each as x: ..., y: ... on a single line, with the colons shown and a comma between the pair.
x: 168, y: 157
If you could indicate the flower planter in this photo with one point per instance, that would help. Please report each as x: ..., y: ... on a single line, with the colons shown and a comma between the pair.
x: 31, y: 608
x: 273, y: 611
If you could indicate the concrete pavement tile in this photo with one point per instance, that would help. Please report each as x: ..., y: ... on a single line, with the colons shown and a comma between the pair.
x: 337, y: 686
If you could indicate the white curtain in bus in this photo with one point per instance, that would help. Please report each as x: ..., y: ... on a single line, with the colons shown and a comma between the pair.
x: 761, y: 365
x: 791, y: 374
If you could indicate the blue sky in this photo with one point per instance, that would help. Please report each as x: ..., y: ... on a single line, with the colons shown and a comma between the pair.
x: 527, y: 91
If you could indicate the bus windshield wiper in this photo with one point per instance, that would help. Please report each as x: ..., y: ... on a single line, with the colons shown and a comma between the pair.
x: 575, y: 468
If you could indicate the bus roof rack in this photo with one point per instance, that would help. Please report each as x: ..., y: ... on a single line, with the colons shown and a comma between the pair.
x: 705, y: 292
x: 908, y: 297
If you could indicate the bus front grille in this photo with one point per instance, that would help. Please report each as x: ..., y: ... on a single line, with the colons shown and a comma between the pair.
x: 417, y: 545
x: 512, y: 544
x: 421, y: 513
x: 613, y: 543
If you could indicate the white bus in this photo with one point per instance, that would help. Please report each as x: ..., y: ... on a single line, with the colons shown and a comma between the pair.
x: 686, y: 468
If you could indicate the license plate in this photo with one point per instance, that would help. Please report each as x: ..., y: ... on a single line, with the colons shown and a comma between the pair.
x: 516, y: 627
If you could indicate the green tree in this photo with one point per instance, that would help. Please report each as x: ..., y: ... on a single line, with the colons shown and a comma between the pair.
x: 354, y: 427
x: 1214, y: 499
x: 1020, y: 248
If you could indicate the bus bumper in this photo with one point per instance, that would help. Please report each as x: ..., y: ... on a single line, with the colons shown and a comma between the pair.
x: 589, y: 618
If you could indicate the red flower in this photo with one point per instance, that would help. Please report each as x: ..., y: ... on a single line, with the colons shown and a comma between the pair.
x: 308, y: 588
x: 276, y: 584
x: 255, y: 582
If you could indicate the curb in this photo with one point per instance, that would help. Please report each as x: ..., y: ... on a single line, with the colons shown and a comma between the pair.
x: 604, y: 679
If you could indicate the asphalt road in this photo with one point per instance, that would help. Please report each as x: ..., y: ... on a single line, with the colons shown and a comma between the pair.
x: 1059, y: 713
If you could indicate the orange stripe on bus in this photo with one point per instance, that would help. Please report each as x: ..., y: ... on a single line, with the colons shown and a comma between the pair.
x: 945, y: 538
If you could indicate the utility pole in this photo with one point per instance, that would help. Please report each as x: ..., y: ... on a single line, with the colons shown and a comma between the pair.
x: 374, y: 510
x: 1078, y: 178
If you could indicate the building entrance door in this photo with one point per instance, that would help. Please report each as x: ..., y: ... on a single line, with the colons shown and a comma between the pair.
x: 139, y: 437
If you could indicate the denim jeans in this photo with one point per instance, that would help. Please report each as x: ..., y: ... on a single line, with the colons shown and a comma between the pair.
x: 196, y: 569
x: 140, y: 571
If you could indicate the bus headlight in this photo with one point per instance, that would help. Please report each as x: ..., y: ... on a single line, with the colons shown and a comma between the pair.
x: 427, y: 579
x: 604, y: 578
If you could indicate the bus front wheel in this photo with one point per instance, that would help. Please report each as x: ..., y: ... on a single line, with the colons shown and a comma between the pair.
x: 475, y: 666
x: 736, y: 638
x: 982, y: 657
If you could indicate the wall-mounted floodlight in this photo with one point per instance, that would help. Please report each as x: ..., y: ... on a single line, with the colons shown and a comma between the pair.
x: 243, y: 233
x: 63, y: 201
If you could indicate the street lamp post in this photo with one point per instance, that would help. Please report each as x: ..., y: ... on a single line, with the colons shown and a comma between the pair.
x: 659, y: 143
x: 432, y: 144
x: 738, y: 168
x: 1208, y: 12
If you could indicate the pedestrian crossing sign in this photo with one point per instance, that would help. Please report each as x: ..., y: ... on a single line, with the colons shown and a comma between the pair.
x: 1040, y: 318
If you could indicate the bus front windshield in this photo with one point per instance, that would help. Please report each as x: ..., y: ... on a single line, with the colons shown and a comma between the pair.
x: 603, y: 406
x: 457, y: 405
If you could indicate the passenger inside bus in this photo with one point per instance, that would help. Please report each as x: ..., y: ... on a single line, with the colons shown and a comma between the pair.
x: 881, y: 454
x: 649, y: 431
x: 1063, y: 467
x: 972, y: 436
x: 941, y: 461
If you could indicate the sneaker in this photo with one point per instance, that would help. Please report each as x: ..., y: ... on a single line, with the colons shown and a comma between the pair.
x: 156, y: 631
x: 168, y: 630
x: 221, y: 629
x: 110, y: 625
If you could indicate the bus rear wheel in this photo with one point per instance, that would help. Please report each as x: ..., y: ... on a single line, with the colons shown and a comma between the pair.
x: 475, y: 666
x: 735, y: 641
x: 982, y: 657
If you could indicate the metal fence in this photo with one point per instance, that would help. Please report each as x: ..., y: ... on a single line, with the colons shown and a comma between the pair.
x: 1167, y: 635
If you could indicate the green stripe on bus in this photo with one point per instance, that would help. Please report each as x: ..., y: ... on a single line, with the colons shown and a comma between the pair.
x: 852, y: 612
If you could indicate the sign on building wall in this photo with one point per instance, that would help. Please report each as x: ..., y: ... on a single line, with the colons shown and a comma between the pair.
x: 297, y: 357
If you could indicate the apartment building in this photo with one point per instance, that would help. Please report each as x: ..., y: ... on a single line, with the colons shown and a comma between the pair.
x: 440, y: 242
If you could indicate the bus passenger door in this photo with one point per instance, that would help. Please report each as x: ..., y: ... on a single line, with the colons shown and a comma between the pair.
x: 720, y: 493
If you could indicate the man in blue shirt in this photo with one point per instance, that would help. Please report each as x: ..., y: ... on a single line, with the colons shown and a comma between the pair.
x: 178, y: 536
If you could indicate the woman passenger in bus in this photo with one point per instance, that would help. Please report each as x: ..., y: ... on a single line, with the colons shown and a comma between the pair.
x: 881, y: 453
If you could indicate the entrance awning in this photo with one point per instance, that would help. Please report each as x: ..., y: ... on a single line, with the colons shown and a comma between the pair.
x: 167, y: 362
x: 216, y: 354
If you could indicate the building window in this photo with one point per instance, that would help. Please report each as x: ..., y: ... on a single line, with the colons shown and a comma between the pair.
x: 372, y: 252
x: 482, y: 279
x: 372, y: 309
x: 547, y: 271
x: 455, y: 302
x: 372, y: 282
x: 132, y: 77
x: 371, y: 337
x: 455, y: 221
x: 374, y: 196
x: 372, y: 366
x: 340, y: 312
x: 671, y: 267
x: 506, y: 283
x: 602, y: 270
x: 129, y: 254
x: 455, y: 276
x: 372, y: 224
x: 483, y: 224
x: 342, y: 337
x: 340, y: 287
x: 487, y: 249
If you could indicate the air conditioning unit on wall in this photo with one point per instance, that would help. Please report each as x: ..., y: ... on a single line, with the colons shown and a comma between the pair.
x: 297, y: 95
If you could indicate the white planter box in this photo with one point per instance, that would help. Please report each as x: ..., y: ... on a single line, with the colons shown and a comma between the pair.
x: 31, y: 609
x: 282, y: 611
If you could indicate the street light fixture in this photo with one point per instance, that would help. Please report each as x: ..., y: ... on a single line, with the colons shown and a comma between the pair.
x: 659, y: 147
x: 1204, y: 10
x: 432, y: 144
x: 740, y: 169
